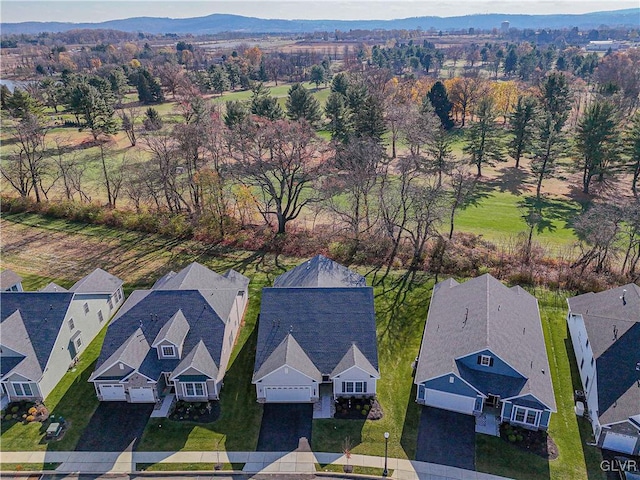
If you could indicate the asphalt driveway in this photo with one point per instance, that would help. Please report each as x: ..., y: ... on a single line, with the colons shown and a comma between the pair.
x: 113, y: 427
x: 447, y: 438
x: 282, y: 426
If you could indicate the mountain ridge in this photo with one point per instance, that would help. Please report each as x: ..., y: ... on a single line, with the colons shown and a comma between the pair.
x: 218, y: 23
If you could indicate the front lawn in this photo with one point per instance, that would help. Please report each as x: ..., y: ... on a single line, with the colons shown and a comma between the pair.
x: 73, y: 398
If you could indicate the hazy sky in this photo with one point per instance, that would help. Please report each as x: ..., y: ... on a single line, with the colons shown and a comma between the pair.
x: 99, y: 10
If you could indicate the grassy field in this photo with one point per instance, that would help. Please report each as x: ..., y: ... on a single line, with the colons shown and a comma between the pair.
x: 65, y: 251
x: 187, y: 467
x: 27, y: 467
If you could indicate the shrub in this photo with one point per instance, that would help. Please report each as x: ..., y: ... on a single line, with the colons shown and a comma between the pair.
x: 512, y: 438
x: 30, y: 418
x: 363, y: 411
x: 8, y: 417
x: 15, y: 409
x: 519, y: 438
x: 33, y: 410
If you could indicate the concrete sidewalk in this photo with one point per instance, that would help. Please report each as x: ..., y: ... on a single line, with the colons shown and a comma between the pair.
x: 255, y: 462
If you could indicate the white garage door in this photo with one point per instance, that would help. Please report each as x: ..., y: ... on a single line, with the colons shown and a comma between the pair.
x: 141, y: 395
x: 290, y: 394
x: 112, y: 392
x: 449, y: 401
x: 619, y: 442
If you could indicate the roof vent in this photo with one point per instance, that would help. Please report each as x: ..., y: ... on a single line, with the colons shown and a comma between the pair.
x: 466, y: 317
x: 615, y: 332
x: 498, y: 307
x: 542, y: 371
x: 638, y: 367
x: 624, y: 300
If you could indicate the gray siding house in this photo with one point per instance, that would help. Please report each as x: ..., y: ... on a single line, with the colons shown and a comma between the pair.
x: 44, y: 332
x: 174, y: 339
x: 317, y: 331
x: 10, y: 281
x: 483, y: 353
x: 605, y: 335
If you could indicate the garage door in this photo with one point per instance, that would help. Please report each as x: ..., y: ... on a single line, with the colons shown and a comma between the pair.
x: 619, y: 442
x: 141, y: 395
x: 291, y: 394
x: 449, y: 401
x: 112, y: 392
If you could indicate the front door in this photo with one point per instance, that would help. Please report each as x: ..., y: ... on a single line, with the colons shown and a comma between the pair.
x: 493, y: 400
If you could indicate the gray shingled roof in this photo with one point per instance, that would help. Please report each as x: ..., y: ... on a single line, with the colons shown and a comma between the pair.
x: 16, y: 337
x: 613, y: 328
x: 175, y: 330
x: 204, y: 310
x: 198, y: 277
x: 325, y: 322
x: 200, y: 359
x: 97, y: 281
x: 131, y: 352
x: 8, y: 278
x: 480, y: 314
x: 354, y: 358
x: 320, y: 271
x: 53, y: 287
x: 291, y: 354
x: 40, y: 319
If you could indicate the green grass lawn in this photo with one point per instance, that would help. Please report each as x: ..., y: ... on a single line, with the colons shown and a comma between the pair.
x: 401, y: 310
x: 497, y: 216
x: 27, y: 467
x: 74, y: 399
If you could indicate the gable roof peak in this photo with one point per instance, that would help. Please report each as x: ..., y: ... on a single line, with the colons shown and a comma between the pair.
x: 320, y: 271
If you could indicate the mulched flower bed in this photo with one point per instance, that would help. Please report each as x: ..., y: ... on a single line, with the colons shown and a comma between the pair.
x: 538, y: 443
x: 200, y: 412
x: 358, y: 409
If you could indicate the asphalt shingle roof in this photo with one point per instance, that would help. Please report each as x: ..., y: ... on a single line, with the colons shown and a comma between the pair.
x: 320, y: 271
x: 175, y: 330
x: 151, y: 313
x: 8, y: 278
x: 198, y: 277
x: 612, y: 320
x: 354, y: 358
x: 34, y: 331
x: 97, y: 281
x: 53, y: 287
x: 480, y: 314
x: 325, y: 322
x: 290, y: 353
x: 200, y: 359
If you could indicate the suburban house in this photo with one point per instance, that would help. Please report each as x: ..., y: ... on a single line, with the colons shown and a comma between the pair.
x: 44, y: 332
x: 317, y: 331
x: 174, y: 340
x: 483, y: 354
x: 10, y: 281
x: 605, y: 334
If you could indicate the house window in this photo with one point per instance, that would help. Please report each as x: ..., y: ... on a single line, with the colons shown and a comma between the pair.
x: 593, y: 360
x: 100, y: 317
x: 119, y: 294
x: 485, y: 360
x: 525, y: 416
x: 194, y: 389
x: 71, y: 324
x: 354, y: 387
x: 22, y: 389
x: 168, y: 351
x: 86, y: 308
x: 110, y: 302
x: 587, y: 344
x: 581, y: 363
x: 240, y: 293
x: 78, y: 342
x: 586, y: 383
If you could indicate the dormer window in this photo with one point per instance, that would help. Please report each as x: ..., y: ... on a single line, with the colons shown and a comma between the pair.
x: 168, y: 351
x: 485, y: 360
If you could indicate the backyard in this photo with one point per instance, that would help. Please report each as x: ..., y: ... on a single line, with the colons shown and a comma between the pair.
x: 41, y: 249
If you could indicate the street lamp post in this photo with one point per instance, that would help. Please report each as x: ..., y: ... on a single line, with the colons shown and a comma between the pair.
x: 385, y: 472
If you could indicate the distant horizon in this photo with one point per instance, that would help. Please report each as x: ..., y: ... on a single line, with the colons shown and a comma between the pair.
x: 96, y: 11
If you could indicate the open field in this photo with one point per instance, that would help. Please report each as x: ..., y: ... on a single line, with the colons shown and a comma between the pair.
x: 47, y: 249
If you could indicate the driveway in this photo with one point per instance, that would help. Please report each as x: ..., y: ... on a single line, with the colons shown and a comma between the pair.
x: 113, y: 427
x: 282, y: 426
x: 447, y: 438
